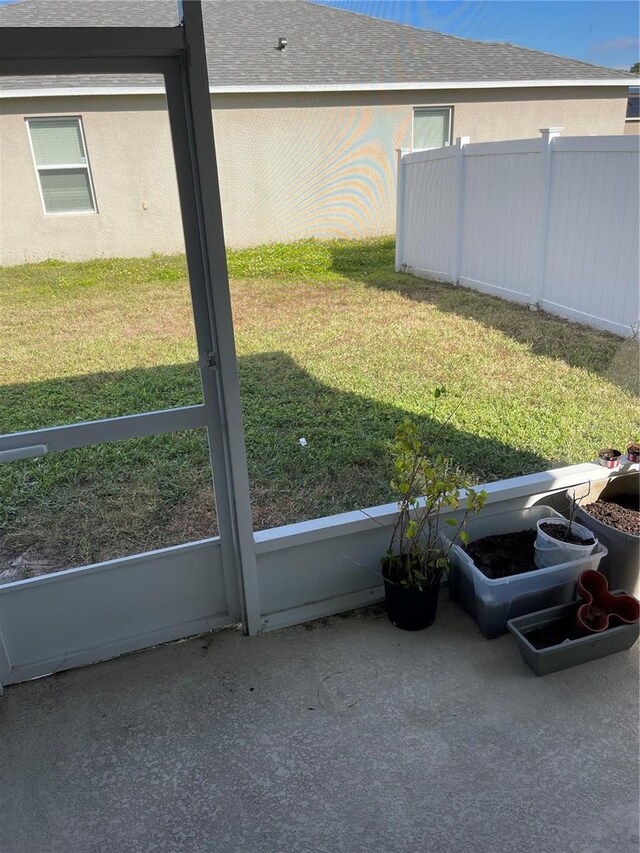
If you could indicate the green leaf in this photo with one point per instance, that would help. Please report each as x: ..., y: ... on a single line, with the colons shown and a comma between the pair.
x: 451, y: 521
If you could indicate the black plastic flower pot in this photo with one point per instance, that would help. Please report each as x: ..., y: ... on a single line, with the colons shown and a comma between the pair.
x: 410, y: 608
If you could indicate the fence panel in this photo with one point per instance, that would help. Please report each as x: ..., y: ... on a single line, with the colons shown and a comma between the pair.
x: 552, y: 222
x: 502, y: 220
x: 591, y: 266
x: 430, y: 211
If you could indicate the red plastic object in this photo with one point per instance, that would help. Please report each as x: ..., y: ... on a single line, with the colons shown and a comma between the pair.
x: 601, y: 609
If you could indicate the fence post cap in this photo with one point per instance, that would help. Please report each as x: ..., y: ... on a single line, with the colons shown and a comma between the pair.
x: 550, y: 132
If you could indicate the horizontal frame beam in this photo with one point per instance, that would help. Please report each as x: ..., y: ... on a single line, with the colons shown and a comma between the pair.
x: 103, y: 431
x: 33, y: 43
x: 323, y: 609
x: 33, y: 51
x: 68, y: 66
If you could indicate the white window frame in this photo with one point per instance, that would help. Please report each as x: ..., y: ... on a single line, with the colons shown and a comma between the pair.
x: 61, y: 167
x: 439, y: 107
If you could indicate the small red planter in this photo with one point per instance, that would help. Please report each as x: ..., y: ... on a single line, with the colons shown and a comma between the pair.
x: 633, y: 452
x: 601, y: 609
x: 609, y: 457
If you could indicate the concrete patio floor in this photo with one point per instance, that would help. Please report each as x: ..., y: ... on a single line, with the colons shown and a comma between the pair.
x: 341, y: 735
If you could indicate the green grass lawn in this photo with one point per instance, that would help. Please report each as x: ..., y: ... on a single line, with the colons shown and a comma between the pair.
x: 333, y: 346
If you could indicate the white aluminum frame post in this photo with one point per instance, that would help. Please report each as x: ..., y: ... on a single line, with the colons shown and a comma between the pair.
x: 178, y: 53
x: 189, y: 103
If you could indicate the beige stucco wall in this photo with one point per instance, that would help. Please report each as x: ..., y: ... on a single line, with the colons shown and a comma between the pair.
x: 632, y: 128
x: 130, y: 155
x: 291, y: 166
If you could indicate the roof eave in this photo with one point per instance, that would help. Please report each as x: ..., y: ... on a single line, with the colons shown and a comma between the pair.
x: 323, y: 87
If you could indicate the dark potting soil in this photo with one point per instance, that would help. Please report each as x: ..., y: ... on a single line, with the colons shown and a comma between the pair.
x: 609, y: 454
x: 622, y: 513
x: 555, y: 632
x: 564, y: 534
x: 504, y: 555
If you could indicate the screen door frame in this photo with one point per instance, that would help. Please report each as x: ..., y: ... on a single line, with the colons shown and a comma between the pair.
x: 178, y: 53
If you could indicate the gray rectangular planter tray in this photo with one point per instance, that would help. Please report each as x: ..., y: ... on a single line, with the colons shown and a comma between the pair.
x: 571, y: 652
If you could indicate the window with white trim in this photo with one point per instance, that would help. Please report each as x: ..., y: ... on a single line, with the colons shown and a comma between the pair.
x: 62, y: 165
x: 431, y: 127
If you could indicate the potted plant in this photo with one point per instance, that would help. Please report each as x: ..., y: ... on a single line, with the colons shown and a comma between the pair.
x: 633, y: 451
x: 427, y: 485
x: 561, y: 539
x: 609, y: 457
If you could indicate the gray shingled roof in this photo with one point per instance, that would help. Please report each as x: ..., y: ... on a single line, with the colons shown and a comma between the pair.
x: 326, y: 46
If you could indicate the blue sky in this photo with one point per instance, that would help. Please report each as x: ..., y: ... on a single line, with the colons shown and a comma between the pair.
x: 605, y: 32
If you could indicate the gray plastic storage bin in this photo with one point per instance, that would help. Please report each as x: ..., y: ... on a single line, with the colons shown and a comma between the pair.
x: 493, y: 602
x: 622, y: 566
x: 570, y: 652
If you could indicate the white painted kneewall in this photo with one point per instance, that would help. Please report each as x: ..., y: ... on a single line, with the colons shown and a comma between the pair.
x: 309, y: 570
x: 306, y: 571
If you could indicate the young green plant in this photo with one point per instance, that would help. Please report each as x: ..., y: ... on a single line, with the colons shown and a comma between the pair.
x: 428, y: 485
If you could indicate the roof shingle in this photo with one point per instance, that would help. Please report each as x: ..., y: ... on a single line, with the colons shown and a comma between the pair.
x: 325, y: 46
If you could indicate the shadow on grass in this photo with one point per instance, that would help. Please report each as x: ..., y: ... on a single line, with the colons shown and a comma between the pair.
x: 101, y: 502
x: 577, y: 345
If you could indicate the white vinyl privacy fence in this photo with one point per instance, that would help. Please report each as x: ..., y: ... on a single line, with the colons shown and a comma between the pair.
x: 551, y: 222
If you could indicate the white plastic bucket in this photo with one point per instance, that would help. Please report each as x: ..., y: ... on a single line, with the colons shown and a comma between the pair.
x: 553, y: 552
x: 547, y: 556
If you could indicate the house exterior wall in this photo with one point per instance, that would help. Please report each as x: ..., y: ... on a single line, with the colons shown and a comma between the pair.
x: 291, y: 165
x: 632, y: 128
x: 130, y: 154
